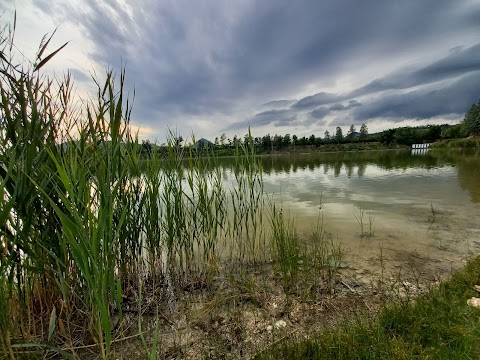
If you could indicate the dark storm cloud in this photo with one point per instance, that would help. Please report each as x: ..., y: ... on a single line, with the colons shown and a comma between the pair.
x: 320, y: 112
x: 341, y: 107
x: 279, y: 103
x: 208, y: 58
x: 459, y: 62
x: 454, y: 98
x: 316, y: 100
x: 283, y: 117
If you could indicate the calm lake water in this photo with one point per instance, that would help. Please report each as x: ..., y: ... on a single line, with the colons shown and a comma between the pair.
x: 425, y: 207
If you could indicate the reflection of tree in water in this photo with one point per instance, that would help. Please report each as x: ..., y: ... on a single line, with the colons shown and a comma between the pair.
x: 469, y: 179
x: 352, y: 161
x: 361, y: 169
x: 349, y: 166
x: 467, y: 162
x: 337, y: 167
x: 468, y: 165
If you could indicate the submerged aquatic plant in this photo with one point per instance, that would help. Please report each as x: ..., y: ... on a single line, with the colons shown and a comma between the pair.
x: 359, y: 214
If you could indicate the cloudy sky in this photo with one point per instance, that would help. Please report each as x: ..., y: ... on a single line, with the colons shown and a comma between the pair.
x: 278, y: 66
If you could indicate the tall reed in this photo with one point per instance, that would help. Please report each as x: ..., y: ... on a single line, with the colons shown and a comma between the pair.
x: 87, y: 218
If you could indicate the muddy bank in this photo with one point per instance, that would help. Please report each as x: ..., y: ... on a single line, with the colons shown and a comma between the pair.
x: 241, y: 318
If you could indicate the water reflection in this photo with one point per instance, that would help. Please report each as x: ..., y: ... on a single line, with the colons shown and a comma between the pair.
x: 465, y: 166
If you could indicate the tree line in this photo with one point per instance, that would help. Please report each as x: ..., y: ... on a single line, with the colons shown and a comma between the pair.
x: 402, y: 136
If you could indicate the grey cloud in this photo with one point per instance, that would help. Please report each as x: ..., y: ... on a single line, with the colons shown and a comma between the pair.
x: 320, y: 112
x: 454, y: 98
x: 353, y: 103
x: 460, y: 61
x: 338, y: 107
x: 345, y: 120
x: 322, y: 98
x: 279, y: 103
x: 281, y: 117
x: 80, y: 75
x: 341, y: 107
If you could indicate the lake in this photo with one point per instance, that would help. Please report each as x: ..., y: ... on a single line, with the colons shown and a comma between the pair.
x: 420, y: 209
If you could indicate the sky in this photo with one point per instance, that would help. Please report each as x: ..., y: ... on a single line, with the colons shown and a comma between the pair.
x: 277, y: 66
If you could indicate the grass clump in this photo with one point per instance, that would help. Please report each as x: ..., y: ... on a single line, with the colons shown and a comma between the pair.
x: 436, y: 325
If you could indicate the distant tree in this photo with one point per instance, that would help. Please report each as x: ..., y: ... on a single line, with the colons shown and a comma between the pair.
x: 311, y: 140
x: 146, y: 148
x: 363, y: 132
x: 216, y: 141
x: 406, y: 136
x: 350, y: 132
x: 338, y: 134
x: 178, y: 141
x: 247, y: 139
x: 277, y: 141
x: 327, y: 135
x: 267, y: 143
x: 387, y: 137
x: 236, y: 140
x: 433, y: 133
x: 452, y: 132
x: 302, y: 141
x: 294, y: 138
x: 286, y: 140
x: 223, y: 137
x: 471, y: 122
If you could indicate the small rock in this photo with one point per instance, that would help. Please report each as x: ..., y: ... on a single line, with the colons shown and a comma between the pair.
x: 269, y: 328
x: 360, y: 271
x: 281, y: 324
x: 473, y: 302
x: 477, y: 287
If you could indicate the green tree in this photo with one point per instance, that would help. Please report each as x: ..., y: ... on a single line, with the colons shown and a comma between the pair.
x: 350, y: 132
x: 388, y: 136
x: 223, y: 137
x: 363, y: 132
x: 327, y: 135
x: 471, y: 122
x: 236, y: 141
x: 277, y: 141
x: 338, y: 134
x: 267, y: 142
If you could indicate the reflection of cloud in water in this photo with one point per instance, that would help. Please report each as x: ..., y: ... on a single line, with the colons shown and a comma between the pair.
x: 396, y: 189
x: 377, y: 185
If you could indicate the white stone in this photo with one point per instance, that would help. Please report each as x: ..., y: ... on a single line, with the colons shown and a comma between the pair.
x: 474, y: 302
x: 269, y: 328
x: 280, y: 324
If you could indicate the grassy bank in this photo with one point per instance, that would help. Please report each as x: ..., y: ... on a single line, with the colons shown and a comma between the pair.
x: 437, y: 325
x: 465, y: 143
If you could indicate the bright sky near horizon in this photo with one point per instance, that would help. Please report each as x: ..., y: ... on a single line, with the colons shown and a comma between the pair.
x: 278, y: 66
